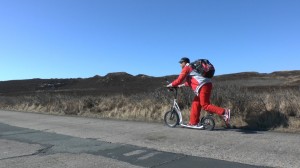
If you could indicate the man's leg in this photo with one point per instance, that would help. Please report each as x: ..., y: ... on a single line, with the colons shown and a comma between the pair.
x: 195, y: 111
x: 204, y: 95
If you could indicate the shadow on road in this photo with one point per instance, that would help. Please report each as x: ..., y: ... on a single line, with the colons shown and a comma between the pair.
x: 265, y: 121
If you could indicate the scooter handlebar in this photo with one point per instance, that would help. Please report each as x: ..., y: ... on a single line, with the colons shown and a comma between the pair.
x: 172, y: 88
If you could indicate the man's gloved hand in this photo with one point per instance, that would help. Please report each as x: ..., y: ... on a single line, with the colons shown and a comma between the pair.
x: 181, y: 85
x: 169, y: 85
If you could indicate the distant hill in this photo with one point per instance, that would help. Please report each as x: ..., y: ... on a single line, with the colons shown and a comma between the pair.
x: 258, y: 80
x: 124, y: 83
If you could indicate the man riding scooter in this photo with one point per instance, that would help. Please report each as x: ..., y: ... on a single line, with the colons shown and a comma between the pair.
x: 202, y: 87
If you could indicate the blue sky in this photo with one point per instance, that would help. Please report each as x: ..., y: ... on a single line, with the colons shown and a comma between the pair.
x: 83, y: 38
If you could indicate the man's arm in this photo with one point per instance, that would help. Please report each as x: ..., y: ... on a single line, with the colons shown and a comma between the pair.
x: 181, y: 77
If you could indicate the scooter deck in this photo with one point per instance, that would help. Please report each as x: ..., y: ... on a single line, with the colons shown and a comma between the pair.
x: 201, y: 127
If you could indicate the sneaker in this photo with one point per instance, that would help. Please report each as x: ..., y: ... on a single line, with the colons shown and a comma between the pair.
x: 226, y: 116
x: 192, y: 125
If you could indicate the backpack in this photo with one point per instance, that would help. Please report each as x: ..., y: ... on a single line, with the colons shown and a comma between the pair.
x: 203, y: 67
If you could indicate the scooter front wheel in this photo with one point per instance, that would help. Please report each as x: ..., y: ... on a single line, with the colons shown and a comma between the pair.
x: 171, y: 118
x: 208, y: 123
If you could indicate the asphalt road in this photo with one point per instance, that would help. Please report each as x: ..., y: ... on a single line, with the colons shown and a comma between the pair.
x: 37, y: 140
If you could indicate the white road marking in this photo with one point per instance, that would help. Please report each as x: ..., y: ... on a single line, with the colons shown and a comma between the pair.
x: 136, y: 152
x: 148, y: 155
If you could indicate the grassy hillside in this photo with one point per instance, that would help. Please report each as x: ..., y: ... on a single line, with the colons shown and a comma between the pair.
x: 111, y: 84
x: 258, y: 101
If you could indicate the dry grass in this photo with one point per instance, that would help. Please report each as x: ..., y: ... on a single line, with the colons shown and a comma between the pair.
x: 271, y: 109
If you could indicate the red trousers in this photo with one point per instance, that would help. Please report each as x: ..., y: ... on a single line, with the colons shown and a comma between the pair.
x: 202, y: 101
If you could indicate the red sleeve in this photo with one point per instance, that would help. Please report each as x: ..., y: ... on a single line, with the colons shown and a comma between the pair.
x: 185, y: 71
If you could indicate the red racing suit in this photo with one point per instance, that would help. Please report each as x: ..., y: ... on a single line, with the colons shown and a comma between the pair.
x: 202, y: 88
x: 192, y: 79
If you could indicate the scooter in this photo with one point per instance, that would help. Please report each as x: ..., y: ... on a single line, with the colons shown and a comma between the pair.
x: 173, y: 117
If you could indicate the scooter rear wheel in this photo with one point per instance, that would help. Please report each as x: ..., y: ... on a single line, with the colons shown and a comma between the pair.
x: 208, y: 122
x: 171, y: 118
